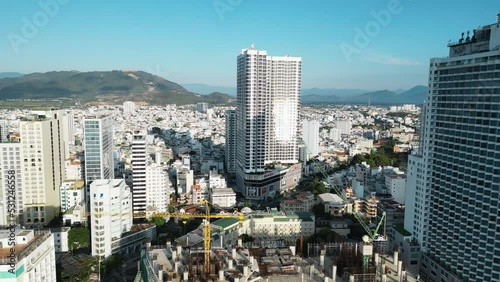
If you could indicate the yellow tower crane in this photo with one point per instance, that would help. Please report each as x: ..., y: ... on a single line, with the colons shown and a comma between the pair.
x: 206, y: 227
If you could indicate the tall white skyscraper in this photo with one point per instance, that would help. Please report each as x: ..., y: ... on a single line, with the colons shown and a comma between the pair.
x: 4, y: 130
x: 10, y: 184
x: 268, y: 91
x: 128, y: 107
x: 310, y: 136
x: 344, y: 127
x: 68, y: 122
x: 98, y: 146
x: 139, y: 159
x: 453, y: 206
x: 42, y: 158
x: 111, y: 201
x: 230, y: 146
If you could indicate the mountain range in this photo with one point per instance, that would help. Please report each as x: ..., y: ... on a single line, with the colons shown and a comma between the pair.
x: 415, y: 95
x: 103, y: 86
x: 130, y: 85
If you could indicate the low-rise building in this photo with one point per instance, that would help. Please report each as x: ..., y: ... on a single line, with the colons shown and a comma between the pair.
x: 223, y: 197
x: 75, y: 215
x: 31, y: 259
x: 71, y: 193
x: 334, y: 205
x: 60, y: 235
x: 298, y: 203
x: 267, y: 227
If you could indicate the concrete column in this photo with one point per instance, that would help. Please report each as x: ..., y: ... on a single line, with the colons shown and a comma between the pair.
x: 245, y: 271
x: 186, y: 276
x: 400, y: 267
x: 174, y: 255
x: 334, y: 272
x: 384, y: 277
x: 160, y: 275
x: 376, y: 259
x: 236, y: 279
x: 311, y: 271
x: 176, y: 266
x: 351, y: 278
x: 233, y: 253
x: 230, y: 266
x: 403, y: 275
x: 395, y: 257
x: 326, y: 278
x: 221, y: 274
x: 382, y: 268
x: 179, y: 250
x: 240, y: 242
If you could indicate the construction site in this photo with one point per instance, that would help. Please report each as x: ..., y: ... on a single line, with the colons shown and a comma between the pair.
x: 332, y: 262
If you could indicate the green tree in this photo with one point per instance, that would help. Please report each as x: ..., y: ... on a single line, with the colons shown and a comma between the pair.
x: 158, y: 221
x: 159, y: 119
x: 78, y: 237
x: 318, y: 187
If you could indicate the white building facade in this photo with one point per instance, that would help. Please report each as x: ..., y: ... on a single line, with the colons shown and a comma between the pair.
x: 36, y: 258
x: 462, y: 156
x: 268, y: 93
x: 10, y: 184
x: 310, y: 135
x: 111, y: 203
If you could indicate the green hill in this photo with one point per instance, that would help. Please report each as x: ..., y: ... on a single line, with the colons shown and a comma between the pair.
x: 102, y: 86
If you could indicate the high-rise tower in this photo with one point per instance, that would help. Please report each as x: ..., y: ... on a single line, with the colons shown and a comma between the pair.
x: 455, y: 182
x: 98, y: 146
x: 268, y: 92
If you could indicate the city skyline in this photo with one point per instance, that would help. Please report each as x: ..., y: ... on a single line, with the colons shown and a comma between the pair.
x: 151, y: 37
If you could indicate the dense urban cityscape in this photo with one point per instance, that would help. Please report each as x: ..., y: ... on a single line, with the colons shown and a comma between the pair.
x: 159, y: 183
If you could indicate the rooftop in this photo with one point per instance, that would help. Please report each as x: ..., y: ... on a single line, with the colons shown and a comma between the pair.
x: 401, y: 230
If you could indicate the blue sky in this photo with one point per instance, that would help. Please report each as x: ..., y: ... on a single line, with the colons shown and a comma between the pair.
x: 197, y: 41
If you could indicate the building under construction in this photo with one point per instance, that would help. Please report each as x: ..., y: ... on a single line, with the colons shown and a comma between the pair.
x: 335, y: 262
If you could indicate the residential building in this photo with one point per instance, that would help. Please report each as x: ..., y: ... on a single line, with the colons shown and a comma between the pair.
x: 11, y: 184
x: 139, y: 162
x: 98, y: 147
x: 200, y: 190
x: 267, y: 227
x: 35, y: 257
x: 223, y: 197
x: 75, y: 215
x: 202, y: 107
x: 230, y: 146
x: 71, y: 193
x: 396, y: 186
x: 128, y: 107
x: 334, y: 205
x: 268, y: 91
x: 111, y: 203
x: 301, y: 202
x: 4, y: 130
x: 310, y: 135
x: 60, y: 235
x: 460, y: 163
x: 73, y: 169
x: 344, y: 127
x: 68, y: 125
x: 42, y: 155
x: 185, y: 181
x: 157, y: 189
